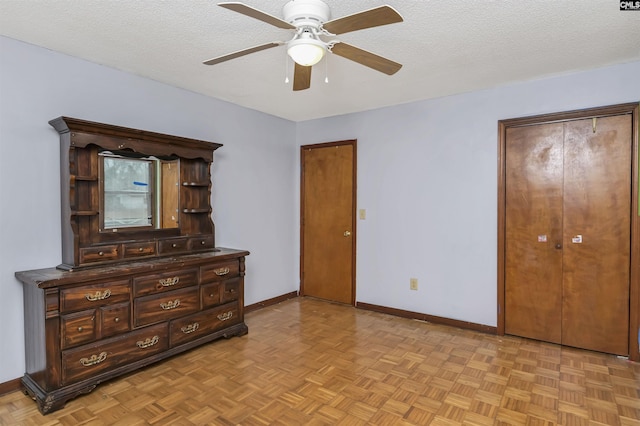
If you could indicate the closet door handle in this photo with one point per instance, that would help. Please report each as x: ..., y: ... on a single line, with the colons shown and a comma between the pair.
x: 559, y: 246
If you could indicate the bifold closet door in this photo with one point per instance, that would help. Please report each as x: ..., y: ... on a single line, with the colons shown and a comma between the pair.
x: 533, y: 261
x: 567, y: 259
x: 597, y: 234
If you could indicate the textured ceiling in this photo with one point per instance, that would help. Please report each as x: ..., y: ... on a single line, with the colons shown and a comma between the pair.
x: 446, y: 47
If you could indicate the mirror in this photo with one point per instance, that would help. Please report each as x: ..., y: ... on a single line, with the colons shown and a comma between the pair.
x: 138, y: 193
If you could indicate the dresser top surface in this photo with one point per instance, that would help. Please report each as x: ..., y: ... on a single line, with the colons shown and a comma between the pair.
x: 53, y: 277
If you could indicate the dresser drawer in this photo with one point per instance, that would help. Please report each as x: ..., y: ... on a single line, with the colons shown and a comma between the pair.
x: 139, y: 249
x: 93, y: 295
x: 210, y: 295
x: 89, y: 360
x: 78, y: 328
x: 175, y: 245
x: 183, y: 330
x: 201, y: 243
x: 220, y: 271
x: 98, y: 254
x: 115, y: 319
x: 230, y: 290
x: 83, y: 327
x: 164, y: 281
x: 162, y: 307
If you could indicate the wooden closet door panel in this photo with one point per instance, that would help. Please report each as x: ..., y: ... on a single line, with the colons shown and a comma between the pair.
x: 533, y: 263
x: 597, y: 207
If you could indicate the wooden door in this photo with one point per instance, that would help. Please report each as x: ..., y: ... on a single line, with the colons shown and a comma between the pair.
x: 533, y: 260
x: 597, y: 223
x: 567, y: 232
x: 328, y: 221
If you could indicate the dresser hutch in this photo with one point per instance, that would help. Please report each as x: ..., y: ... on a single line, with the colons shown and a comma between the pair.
x: 141, y: 278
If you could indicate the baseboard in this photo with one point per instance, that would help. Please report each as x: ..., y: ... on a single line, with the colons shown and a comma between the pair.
x: 428, y: 318
x: 10, y: 386
x: 269, y: 302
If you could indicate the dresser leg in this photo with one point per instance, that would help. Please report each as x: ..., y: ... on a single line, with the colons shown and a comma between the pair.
x: 49, y: 402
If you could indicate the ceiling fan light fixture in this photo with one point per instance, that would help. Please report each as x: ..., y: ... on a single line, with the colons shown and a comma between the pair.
x: 313, y: 38
x: 306, y: 51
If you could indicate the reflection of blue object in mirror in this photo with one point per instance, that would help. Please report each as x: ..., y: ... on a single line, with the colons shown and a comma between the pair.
x: 140, y: 183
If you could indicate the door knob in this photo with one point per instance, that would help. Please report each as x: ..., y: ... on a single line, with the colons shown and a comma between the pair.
x: 558, y: 246
x: 347, y: 233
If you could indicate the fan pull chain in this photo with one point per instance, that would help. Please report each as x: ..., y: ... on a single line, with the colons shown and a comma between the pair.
x: 286, y: 67
x: 326, y: 69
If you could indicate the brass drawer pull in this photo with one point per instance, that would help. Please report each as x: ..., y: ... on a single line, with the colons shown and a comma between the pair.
x: 98, y: 295
x: 116, y: 319
x: 148, y: 342
x: 93, y: 359
x: 203, y: 242
x: 170, y: 305
x: 225, y: 316
x: 168, y: 282
x: 80, y: 329
x: 188, y: 329
x: 221, y: 271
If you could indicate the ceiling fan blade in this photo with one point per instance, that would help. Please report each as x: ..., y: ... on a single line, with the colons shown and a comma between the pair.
x: 365, y: 58
x: 243, y: 52
x: 375, y: 17
x: 257, y: 14
x: 301, y: 77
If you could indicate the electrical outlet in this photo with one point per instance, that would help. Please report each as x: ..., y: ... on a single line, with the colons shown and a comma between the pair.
x: 413, y: 283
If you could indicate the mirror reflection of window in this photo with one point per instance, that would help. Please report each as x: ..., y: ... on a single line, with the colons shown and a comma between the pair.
x: 128, y: 189
x: 130, y: 198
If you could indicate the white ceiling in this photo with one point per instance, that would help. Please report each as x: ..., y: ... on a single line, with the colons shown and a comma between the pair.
x: 446, y: 46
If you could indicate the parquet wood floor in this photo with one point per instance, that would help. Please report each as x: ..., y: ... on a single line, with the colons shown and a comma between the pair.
x: 309, y: 362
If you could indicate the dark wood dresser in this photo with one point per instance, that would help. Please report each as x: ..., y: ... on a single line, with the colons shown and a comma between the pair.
x: 141, y: 279
x: 88, y: 326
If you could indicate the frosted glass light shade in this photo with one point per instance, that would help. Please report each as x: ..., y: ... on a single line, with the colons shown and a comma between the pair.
x: 306, y: 52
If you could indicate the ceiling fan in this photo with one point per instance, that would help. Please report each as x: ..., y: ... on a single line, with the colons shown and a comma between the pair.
x: 310, y: 21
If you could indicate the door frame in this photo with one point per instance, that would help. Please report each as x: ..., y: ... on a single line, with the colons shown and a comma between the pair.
x: 354, y: 192
x: 634, y: 277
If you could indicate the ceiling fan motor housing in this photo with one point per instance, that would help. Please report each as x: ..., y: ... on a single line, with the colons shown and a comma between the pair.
x: 306, y: 13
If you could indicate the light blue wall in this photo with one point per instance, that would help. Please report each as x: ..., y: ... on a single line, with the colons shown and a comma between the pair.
x: 254, y: 172
x: 427, y: 177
